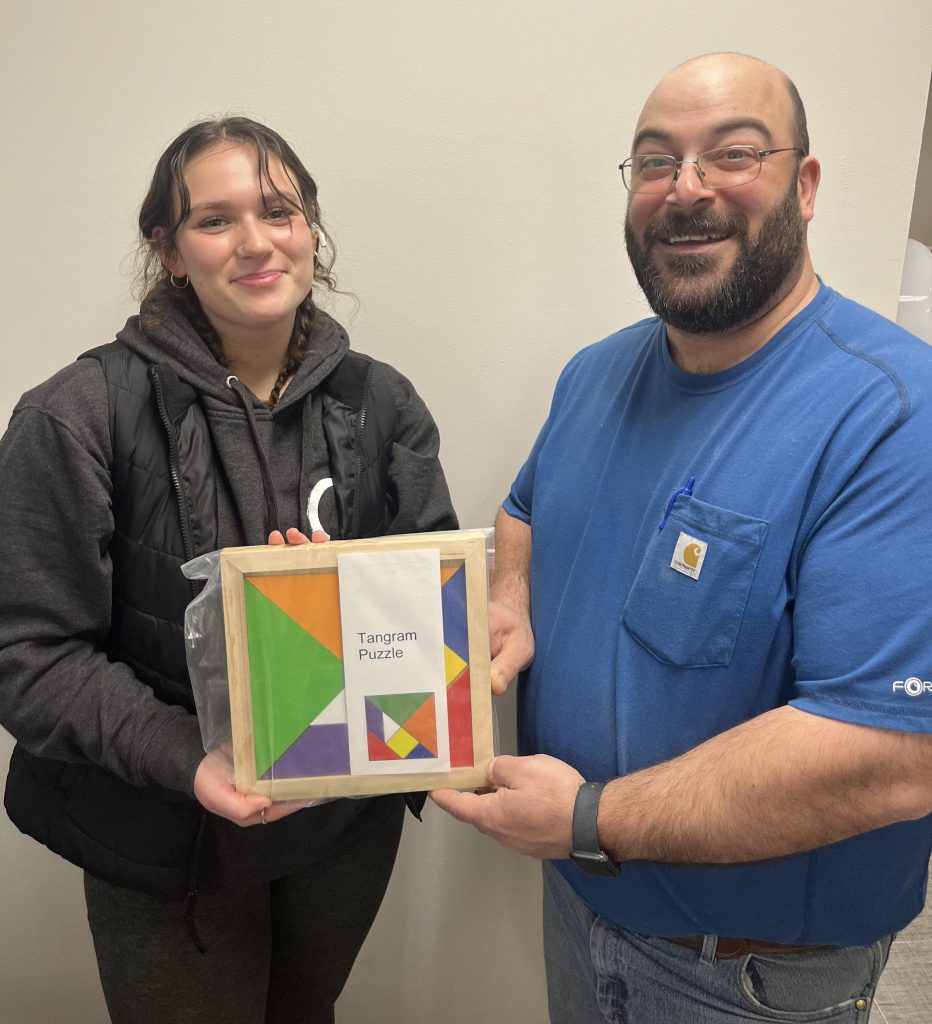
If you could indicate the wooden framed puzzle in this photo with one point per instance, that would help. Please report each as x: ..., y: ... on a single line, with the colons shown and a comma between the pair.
x: 359, y: 667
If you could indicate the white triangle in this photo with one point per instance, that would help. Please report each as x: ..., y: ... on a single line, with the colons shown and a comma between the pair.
x: 389, y: 727
x: 334, y: 713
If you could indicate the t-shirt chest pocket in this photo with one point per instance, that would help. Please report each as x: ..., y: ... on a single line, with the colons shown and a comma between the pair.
x: 689, y: 596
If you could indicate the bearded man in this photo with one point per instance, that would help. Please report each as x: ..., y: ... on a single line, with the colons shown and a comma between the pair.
x: 713, y: 567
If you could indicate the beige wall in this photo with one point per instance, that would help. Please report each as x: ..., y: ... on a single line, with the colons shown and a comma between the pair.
x: 466, y: 154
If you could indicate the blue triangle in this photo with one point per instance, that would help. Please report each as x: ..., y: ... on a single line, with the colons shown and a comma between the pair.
x: 453, y: 604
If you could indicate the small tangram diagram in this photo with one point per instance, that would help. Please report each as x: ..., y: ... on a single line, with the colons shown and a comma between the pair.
x: 401, y: 726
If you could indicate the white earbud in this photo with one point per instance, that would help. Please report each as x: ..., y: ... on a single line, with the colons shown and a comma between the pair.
x: 319, y: 231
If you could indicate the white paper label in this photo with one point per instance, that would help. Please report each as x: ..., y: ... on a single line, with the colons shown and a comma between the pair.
x: 392, y: 624
x: 688, y: 555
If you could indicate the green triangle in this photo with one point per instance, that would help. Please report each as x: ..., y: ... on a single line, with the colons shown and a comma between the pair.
x: 399, y: 706
x: 293, y: 677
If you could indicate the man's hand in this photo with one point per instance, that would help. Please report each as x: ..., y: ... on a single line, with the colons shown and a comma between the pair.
x: 510, y: 634
x: 512, y: 643
x: 530, y: 809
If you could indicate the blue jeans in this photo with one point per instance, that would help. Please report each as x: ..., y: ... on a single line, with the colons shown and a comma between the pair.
x: 597, y: 972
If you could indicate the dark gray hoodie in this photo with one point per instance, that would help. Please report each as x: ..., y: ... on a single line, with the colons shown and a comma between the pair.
x: 60, y: 696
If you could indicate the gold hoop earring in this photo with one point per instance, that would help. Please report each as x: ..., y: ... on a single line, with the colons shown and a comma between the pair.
x: 174, y: 284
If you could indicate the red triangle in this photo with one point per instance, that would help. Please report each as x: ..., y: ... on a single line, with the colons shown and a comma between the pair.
x: 459, y: 717
x: 379, y: 751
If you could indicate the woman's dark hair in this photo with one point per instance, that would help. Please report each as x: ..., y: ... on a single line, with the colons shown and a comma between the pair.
x: 168, y: 202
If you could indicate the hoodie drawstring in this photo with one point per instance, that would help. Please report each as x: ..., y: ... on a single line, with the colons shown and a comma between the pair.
x: 270, y: 503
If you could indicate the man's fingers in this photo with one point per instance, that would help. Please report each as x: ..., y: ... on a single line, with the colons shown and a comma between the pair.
x: 511, y: 657
x: 502, y: 770
x: 509, y: 772
x: 503, y: 672
x: 499, y: 683
x: 512, y: 644
x: 462, y: 806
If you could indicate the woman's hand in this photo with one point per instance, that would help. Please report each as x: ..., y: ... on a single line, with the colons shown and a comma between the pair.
x: 216, y: 793
x: 294, y: 536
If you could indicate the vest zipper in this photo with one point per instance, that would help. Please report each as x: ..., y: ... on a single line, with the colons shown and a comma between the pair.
x: 357, y: 447
x: 186, y: 539
x: 190, y: 906
x: 183, y: 516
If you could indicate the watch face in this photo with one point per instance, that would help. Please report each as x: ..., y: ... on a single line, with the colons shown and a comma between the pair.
x: 594, y: 863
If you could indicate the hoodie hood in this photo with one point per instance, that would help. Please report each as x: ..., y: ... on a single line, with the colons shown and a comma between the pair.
x: 267, y: 460
x: 162, y: 334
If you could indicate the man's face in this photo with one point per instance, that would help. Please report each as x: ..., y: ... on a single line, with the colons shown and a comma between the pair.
x: 712, y: 260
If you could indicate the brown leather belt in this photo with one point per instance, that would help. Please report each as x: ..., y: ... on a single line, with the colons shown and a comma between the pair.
x: 731, y: 949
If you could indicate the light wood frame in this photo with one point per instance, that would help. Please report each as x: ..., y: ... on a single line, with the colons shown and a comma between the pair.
x: 237, y: 564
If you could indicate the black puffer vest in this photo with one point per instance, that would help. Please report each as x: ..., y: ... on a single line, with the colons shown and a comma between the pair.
x: 164, y: 508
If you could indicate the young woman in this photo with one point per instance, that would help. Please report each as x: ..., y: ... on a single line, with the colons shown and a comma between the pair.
x: 229, y: 408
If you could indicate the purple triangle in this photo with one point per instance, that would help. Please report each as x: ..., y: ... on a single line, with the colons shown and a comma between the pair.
x: 374, y: 721
x: 319, y: 750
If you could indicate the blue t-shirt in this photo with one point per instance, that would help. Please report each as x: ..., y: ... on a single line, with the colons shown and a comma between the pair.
x: 803, y: 578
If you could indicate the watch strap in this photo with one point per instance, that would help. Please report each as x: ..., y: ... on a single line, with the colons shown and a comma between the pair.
x: 587, y: 853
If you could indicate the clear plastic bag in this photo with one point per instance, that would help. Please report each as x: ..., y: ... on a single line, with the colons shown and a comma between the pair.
x: 205, y: 649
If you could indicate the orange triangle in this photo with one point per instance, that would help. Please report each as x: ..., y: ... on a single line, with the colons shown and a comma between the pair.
x: 446, y: 571
x: 311, y: 599
x: 423, y: 725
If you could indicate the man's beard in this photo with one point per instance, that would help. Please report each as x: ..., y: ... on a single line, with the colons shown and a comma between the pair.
x: 753, y: 284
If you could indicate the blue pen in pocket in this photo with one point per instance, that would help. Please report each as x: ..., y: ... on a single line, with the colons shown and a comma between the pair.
x: 687, y: 490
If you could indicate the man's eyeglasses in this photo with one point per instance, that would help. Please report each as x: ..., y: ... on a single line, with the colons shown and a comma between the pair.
x: 717, y: 168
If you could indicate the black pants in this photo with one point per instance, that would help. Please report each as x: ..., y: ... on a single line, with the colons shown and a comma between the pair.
x: 278, y: 953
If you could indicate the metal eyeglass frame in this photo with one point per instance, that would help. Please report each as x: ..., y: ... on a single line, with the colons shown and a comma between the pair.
x: 678, y: 164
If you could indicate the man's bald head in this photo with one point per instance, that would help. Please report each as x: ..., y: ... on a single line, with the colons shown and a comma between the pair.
x: 716, y: 70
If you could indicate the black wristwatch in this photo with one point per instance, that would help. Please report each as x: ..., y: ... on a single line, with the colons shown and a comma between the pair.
x: 586, y: 854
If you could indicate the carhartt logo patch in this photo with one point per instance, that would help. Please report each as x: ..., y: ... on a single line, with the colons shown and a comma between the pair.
x: 688, y: 555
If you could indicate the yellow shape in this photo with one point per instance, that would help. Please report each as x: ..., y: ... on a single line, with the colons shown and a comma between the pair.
x: 402, y: 743
x: 453, y: 665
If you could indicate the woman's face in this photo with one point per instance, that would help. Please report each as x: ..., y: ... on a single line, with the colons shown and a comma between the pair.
x: 249, y: 257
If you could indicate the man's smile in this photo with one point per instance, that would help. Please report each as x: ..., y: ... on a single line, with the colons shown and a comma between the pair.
x: 693, y: 239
